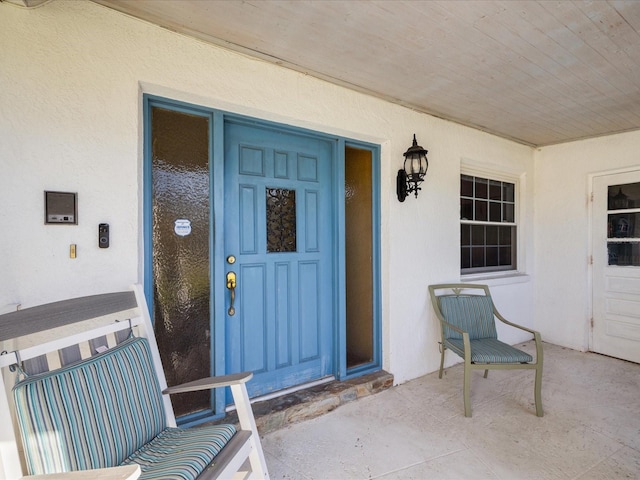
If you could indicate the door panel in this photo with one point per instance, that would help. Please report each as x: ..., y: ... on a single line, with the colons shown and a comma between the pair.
x: 278, y: 224
x: 616, y: 266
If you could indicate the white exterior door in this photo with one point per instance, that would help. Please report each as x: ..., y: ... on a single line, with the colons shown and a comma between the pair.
x: 616, y: 265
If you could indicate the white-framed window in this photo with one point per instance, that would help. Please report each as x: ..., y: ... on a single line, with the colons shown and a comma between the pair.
x: 488, y: 223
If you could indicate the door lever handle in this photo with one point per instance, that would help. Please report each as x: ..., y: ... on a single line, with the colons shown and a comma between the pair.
x: 231, y: 285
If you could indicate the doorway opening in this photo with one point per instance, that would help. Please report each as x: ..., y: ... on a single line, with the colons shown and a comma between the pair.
x: 615, y: 324
x: 216, y: 185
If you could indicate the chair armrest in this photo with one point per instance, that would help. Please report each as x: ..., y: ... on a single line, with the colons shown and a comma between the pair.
x: 536, y: 335
x: 210, y: 382
x: 465, y: 337
x: 511, y: 324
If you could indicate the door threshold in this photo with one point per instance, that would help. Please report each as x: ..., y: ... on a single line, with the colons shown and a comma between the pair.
x: 286, y: 391
x: 310, y: 402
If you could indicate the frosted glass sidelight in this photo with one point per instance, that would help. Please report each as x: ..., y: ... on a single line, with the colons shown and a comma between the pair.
x: 180, y: 225
x: 359, y: 257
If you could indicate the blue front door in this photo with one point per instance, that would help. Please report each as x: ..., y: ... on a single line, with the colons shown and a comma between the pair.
x: 278, y: 226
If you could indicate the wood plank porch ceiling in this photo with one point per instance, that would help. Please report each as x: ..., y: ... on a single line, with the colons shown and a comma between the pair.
x: 537, y: 72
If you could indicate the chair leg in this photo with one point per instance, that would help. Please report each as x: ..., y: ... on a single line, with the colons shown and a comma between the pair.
x: 467, y: 390
x: 248, y: 422
x: 442, y: 349
x: 538, y: 391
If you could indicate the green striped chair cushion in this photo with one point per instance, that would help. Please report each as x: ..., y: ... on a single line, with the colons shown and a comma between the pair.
x: 181, y: 453
x: 471, y: 313
x: 92, y: 414
x: 489, y: 350
x: 106, y: 411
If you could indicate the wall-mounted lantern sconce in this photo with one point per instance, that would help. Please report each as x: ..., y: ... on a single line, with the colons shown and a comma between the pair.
x: 415, y: 167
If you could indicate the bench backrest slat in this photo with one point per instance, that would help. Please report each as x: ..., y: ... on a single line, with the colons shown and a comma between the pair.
x: 97, y: 343
x: 121, y: 336
x: 70, y: 355
x: 66, y: 312
x: 36, y: 365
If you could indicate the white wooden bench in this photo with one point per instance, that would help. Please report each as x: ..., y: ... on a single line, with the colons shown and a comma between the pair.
x: 95, y: 397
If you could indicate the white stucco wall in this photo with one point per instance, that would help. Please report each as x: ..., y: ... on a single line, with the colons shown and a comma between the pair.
x: 72, y: 74
x: 563, y: 182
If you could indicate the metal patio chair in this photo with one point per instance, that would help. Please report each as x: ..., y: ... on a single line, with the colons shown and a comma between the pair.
x: 467, y: 319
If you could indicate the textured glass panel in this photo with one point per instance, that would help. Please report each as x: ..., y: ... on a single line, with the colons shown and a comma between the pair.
x: 624, y: 254
x: 281, y: 220
x: 359, y: 256
x: 180, y: 223
x: 624, y: 196
x: 624, y: 225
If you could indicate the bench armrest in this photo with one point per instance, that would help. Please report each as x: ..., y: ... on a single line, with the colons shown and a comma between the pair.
x: 210, y: 382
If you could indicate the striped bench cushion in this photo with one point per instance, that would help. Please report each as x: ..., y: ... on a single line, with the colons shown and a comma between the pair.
x: 489, y: 350
x: 180, y: 453
x: 107, y: 411
x: 92, y: 414
x: 471, y: 313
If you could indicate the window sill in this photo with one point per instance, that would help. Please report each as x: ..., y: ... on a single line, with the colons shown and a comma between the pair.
x: 497, y: 278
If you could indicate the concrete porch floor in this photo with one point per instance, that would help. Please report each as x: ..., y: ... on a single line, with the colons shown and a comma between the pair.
x: 591, y: 427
